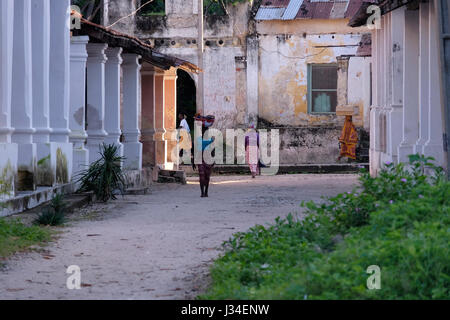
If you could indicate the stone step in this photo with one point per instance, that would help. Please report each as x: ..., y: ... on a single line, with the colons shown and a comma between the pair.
x: 172, y: 176
x: 286, y: 169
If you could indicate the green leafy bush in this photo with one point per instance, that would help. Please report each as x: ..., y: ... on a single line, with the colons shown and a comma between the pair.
x: 398, y: 221
x: 105, y: 176
x: 54, y: 214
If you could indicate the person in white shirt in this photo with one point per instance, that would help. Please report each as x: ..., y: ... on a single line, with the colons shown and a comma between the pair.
x: 185, y: 145
x: 183, y: 123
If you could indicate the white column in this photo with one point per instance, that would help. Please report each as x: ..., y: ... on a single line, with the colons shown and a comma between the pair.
x: 374, y: 109
x: 59, y: 70
x: 434, y: 146
x: 60, y: 88
x: 252, y: 79
x: 389, y: 147
x: 397, y: 26
x: 112, y: 89
x: 77, y: 113
x: 46, y: 153
x: 22, y: 105
x: 410, y: 85
x: 131, y: 110
x: 95, y: 98
x: 8, y: 150
x: 424, y: 76
x: 6, y: 54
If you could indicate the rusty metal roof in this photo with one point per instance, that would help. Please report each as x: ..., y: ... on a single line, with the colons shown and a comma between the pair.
x: 305, y: 9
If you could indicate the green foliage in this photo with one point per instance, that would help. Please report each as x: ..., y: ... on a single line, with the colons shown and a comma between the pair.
x: 15, y: 236
x: 398, y: 221
x: 54, y: 214
x: 105, y: 176
x: 211, y: 7
x: 156, y: 7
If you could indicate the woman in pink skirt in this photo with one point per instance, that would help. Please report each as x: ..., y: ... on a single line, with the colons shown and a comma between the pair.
x: 252, y: 151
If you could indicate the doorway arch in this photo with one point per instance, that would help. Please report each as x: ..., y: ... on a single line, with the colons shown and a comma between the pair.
x: 186, y: 97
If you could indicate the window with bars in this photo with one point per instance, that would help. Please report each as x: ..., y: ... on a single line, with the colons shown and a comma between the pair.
x: 322, y: 88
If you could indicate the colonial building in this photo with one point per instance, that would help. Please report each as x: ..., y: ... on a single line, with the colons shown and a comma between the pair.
x: 280, y: 64
x: 410, y: 80
x: 64, y: 94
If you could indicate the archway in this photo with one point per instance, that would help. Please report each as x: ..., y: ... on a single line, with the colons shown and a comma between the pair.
x: 186, y: 97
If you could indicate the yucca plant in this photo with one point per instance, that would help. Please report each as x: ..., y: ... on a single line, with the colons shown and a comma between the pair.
x: 105, y: 176
x: 54, y: 214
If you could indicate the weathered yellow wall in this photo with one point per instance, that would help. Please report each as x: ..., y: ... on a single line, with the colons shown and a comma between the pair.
x: 284, y: 57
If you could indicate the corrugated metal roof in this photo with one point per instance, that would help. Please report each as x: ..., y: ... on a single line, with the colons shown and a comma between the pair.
x: 267, y: 13
x: 338, y: 10
x: 292, y: 9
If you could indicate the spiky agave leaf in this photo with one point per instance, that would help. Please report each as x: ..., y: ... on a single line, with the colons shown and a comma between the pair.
x: 105, y: 175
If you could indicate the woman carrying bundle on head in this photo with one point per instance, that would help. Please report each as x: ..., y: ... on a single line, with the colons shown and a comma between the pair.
x: 205, y: 169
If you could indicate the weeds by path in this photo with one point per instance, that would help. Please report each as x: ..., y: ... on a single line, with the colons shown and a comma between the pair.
x: 398, y: 222
x: 15, y: 236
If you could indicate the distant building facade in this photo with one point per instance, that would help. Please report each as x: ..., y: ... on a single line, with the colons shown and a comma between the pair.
x: 284, y: 64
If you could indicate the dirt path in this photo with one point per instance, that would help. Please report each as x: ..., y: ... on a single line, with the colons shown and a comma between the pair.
x: 158, y: 246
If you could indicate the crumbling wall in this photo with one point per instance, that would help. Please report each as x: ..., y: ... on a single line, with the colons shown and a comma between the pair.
x: 283, y: 75
x: 224, y: 55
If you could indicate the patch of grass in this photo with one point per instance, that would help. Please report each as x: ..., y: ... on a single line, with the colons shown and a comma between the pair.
x: 15, y: 236
x: 398, y: 221
x: 54, y: 214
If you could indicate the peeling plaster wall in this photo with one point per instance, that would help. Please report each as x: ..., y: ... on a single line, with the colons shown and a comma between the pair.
x: 283, y: 75
x: 359, y: 89
x: 224, y: 56
x: 285, y: 50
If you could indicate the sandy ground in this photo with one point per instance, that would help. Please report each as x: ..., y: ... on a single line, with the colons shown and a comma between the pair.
x: 161, y: 245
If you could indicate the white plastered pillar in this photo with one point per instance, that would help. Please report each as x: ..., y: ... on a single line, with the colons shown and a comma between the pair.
x: 77, y: 113
x: 112, y: 89
x: 22, y: 104
x: 131, y: 110
x: 410, y: 85
x: 424, y: 76
x: 374, y: 108
x: 397, y: 30
x: 46, y: 152
x: 95, y: 99
x: 434, y: 145
x: 60, y: 88
x: 8, y: 150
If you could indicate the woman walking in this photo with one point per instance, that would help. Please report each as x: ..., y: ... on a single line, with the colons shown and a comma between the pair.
x: 205, y: 169
x: 252, y: 151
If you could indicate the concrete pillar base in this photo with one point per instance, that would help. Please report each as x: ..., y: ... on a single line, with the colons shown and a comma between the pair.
x: 26, y: 167
x: 132, y: 151
x: 80, y: 159
x: 46, y: 164
x: 54, y: 164
x: 8, y: 169
x: 404, y: 150
x: 436, y: 151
